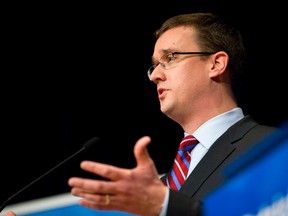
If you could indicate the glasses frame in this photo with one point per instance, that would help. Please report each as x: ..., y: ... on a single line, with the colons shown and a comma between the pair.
x: 152, y: 68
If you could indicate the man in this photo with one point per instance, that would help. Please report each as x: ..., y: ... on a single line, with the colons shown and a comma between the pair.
x: 195, y: 61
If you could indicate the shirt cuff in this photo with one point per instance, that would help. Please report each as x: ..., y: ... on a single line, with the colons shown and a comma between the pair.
x: 163, y: 211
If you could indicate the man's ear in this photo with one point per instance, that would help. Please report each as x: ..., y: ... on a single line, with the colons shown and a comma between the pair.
x: 219, y: 64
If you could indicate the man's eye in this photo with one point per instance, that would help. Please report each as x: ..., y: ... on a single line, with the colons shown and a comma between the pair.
x: 169, y: 58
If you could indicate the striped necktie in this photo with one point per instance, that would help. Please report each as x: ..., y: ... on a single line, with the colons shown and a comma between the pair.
x: 180, y: 168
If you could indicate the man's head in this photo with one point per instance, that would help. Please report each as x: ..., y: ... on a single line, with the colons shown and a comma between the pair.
x: 194, y: 57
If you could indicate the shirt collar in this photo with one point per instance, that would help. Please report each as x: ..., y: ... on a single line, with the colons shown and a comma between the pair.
x: 216, y: 126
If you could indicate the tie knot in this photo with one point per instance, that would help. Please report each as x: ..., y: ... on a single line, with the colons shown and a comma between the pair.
x: 188, y: 143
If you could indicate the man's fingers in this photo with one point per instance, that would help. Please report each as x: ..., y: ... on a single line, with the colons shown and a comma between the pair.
x: 104, y: 170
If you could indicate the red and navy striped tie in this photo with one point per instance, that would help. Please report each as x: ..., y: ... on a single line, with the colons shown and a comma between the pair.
x: 180, y: 168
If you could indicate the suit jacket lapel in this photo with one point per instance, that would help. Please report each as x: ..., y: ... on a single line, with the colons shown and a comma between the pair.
x: 209, y: 163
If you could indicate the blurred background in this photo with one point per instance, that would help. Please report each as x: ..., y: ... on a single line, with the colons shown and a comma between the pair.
x: 75, y: 71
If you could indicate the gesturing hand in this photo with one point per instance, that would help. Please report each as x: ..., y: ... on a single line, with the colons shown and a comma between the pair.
x: 136, y: 191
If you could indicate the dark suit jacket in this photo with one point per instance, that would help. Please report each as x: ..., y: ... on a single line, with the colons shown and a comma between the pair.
x: 209, y: 173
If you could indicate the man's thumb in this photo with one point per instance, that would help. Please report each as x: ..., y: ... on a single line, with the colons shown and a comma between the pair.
x: 140, y: 150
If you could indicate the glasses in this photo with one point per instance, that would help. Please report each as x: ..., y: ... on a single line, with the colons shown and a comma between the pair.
x: 168, y: 59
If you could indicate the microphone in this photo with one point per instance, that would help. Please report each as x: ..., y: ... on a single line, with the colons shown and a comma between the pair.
x: 86, y: 145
